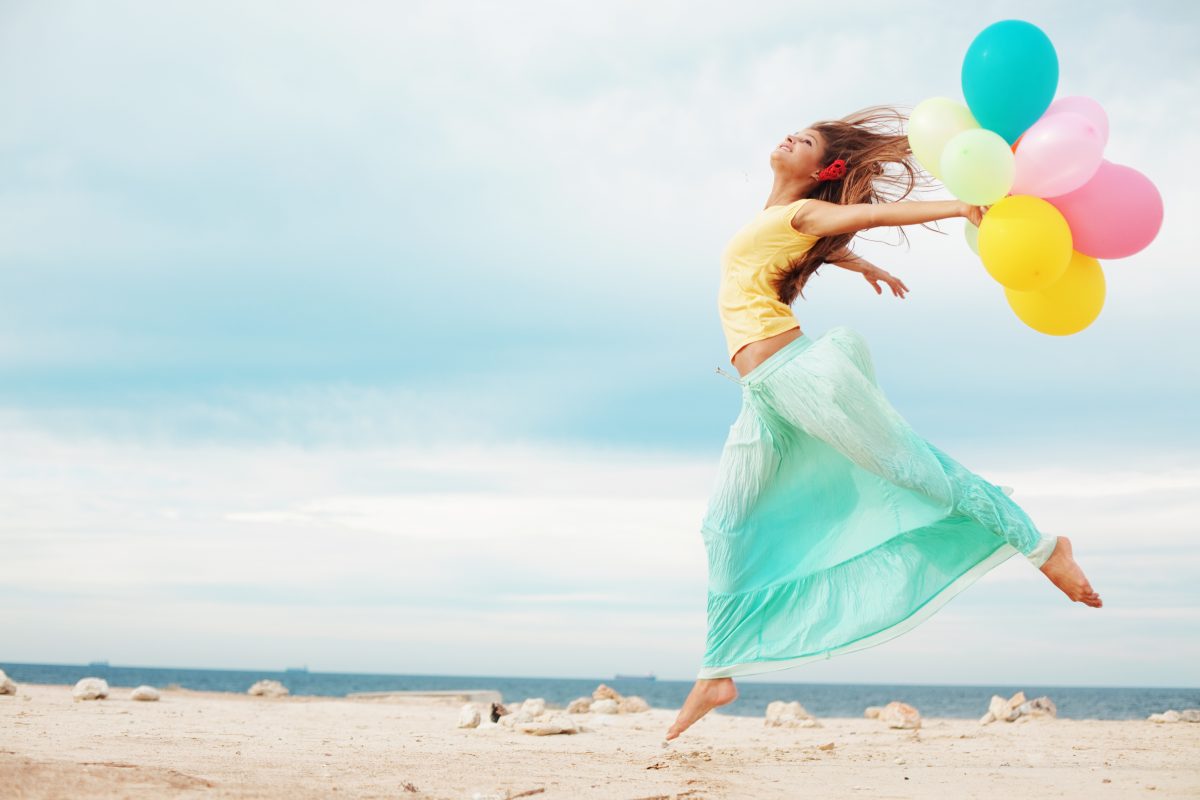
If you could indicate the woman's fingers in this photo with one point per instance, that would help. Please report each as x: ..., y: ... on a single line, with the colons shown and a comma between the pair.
x: 874, y: 276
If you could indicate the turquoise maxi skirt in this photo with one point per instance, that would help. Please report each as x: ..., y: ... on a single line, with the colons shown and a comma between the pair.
x: 833, y: 526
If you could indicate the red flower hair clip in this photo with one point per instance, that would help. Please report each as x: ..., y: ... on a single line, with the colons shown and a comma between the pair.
x: 834, y: 171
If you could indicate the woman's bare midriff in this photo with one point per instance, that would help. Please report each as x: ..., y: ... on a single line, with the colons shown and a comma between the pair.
x: 755, y: 353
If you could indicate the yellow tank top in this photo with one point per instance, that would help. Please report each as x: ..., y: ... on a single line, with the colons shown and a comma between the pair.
x: 749, y: 308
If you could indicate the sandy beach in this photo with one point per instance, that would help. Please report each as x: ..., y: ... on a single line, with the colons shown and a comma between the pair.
x: 226, y: 745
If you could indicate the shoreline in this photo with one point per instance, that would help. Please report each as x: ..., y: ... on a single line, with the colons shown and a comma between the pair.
x: 952, y: 701
x: 195, y: 743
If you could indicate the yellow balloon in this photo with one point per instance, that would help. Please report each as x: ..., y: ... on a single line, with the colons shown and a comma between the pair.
x: 1067, y: 306
x: 931, y: 124
x: 1025, y: 243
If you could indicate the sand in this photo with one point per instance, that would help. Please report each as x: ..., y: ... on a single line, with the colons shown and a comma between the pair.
x: 222, y: 745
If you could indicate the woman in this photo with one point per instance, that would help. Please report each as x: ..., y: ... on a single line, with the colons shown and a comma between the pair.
x: 833, y: 525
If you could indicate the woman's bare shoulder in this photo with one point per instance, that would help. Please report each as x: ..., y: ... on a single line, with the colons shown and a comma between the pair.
x: 822, y: 218
x: 808, y: 213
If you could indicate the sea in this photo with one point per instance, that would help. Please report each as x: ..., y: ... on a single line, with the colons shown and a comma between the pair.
x: 820, y: 699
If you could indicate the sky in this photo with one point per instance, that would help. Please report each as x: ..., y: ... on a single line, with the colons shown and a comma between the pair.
x: 382, y: 337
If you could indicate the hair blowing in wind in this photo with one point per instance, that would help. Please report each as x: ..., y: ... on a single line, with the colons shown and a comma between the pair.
x: 880, y: 168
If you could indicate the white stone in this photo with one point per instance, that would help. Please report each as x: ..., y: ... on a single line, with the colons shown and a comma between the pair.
x: 1167, y: 716
x: 604, y: 692
x: 580, y: 705
x: 1038, y: 707
x: 513, y: 717
x: 1001, y: 710
x: 789, y: 715
x: 144, y: 692
x: 632, y: 704
x: 548, y: 725
x: 872, y: 712
x: 606, y: 706
x: 469, y: 716
x: 1190, y: 715
x: 900, y: 715
x: 534, y: 706
x: 1017, y: 708
x: 90, y: 689
x: 6, y: 684
x: 268, y: 688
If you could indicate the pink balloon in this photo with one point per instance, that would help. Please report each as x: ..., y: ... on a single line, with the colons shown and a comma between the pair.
x: 1058, y: 154
x: 1114, y: 215
x: 1085, y: 107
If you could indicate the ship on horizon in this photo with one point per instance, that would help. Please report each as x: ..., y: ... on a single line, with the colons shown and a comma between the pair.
x: 620, y: 676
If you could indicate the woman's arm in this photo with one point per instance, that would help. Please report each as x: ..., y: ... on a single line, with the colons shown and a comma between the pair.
x: 821, y: 218
x: 847, y: 260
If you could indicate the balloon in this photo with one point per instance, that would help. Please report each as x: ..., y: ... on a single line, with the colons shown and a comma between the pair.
x: 932, y: 123
x: 1024, y: 243
x: 977, y: 166
x: 1068, y: 305
x: 972, y: 235
x: 1059, y: 153
x: 1115, y: 214
x: 1085, y: 107
x: 1009, y: 76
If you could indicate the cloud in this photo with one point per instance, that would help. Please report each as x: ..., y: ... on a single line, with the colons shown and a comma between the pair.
x: 599, y: 552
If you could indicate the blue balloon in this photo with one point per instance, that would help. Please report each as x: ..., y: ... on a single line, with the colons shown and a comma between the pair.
x: 1009, y: 77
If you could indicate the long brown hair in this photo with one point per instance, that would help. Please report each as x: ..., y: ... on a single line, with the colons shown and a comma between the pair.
x: 880, y: 168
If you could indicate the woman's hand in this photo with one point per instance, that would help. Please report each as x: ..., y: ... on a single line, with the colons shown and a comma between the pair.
x: 973, y: 213
x: 874, y: 274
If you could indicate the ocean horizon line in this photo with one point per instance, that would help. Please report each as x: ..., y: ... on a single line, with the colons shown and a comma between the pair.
x: 630, y: 677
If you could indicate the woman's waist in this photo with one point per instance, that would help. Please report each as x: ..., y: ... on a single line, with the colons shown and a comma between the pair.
x: 747, y: 359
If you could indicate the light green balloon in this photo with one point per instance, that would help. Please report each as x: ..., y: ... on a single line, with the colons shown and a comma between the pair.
x: 972, y: 236
x: 978, y: 167
x: 931, y: 124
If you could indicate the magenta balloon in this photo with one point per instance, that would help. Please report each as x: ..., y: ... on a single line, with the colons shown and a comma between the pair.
x: 1114, y: 215
x: 1058, y: 154
x: 1085, y: 107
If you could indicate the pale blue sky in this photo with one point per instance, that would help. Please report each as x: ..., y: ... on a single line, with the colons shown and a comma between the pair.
x: 410, y: 309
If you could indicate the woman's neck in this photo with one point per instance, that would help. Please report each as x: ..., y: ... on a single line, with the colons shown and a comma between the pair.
x: 788, y: 190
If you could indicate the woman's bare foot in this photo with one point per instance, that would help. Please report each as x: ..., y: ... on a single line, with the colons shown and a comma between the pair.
x: 1064, y: 573
x: 707, y: 694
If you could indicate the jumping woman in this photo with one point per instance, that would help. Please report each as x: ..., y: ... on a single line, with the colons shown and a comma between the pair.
x: 833, y: 525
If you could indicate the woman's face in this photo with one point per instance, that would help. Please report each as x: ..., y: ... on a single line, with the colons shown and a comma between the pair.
x: 800, y: 154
